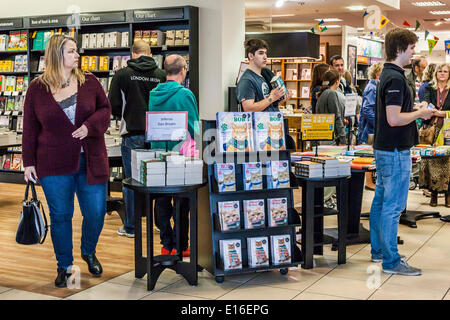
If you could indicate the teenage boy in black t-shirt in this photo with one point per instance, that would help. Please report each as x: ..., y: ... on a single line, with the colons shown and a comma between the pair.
x: 253, y: 91
x: 395, y: 133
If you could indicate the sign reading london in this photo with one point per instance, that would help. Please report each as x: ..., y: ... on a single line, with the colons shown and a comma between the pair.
x: 317, y: 126
x: 166, y: 126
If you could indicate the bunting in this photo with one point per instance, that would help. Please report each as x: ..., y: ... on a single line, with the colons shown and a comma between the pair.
x: 321, y: 22
x: 426, y: 34
x: 417, y: 25
x: 406, y: 24
x: 365, y: 14
x: 431, y: 45
x: 383, y: 22
x: 447, y: 46
x: 312, y: 30
x: 324, y: 29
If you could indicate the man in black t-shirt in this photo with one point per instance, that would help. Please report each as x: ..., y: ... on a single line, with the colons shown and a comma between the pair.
x: 253, y: 91
x: 395, y: 133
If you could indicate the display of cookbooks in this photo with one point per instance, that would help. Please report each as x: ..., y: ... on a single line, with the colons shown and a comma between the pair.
x: 229, y: 215
x: 234, y: 131
x: 252, y: 175
x: 277, y: 173
x: 280, y: 249
x: 231, y: 254
x: 225, y: 176
x: 268, y: 131
x: 277, y: 211
x: 254, y: 214
x: 258, y: 252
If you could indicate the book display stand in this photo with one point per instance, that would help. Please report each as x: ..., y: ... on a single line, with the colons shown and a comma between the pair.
x: 209, y: 219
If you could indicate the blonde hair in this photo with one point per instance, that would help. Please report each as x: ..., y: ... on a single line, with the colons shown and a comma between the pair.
x: 375, y: 69
x: 54, y: 60
x: 348, y: 76
x: 434, y: 82
x: 141, y: 47
x: 428, y: 73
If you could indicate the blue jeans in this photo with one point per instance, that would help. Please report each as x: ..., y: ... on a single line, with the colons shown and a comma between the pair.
x: 391, y: 195
x: 59, y: 192
x: 129, y: 143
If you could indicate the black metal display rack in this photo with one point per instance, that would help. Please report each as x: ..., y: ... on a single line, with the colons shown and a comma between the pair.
x: 209, y: 253
x: 162, y: 19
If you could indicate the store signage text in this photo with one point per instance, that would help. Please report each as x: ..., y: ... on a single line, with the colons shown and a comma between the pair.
x: 11, y: 23
x: 50, y: 21
x: 87, y: 18
x: 145, y: 15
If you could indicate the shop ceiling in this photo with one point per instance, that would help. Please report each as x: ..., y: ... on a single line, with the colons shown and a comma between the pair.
x: 300, y: 15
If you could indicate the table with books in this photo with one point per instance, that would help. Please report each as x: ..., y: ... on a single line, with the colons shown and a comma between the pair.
x: 156, y: 173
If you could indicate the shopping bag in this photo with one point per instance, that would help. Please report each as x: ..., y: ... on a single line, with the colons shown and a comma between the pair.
x: 33, y: 225
x: 188, y: 148
x: 444, y: 135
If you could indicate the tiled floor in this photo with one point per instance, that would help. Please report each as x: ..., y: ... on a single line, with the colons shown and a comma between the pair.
x: 426, y: 247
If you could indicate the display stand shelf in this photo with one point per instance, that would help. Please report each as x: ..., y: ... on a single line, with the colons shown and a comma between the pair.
x: 209, y: 251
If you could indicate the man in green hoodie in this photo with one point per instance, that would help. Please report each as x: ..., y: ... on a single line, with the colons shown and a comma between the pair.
x: 172, y: 96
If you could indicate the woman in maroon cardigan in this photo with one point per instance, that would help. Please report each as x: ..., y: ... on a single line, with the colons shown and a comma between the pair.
x: 66, y: 114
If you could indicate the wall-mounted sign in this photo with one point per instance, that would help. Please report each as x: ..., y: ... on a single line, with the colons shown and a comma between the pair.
x: 106, y: 17
x: 360, y: 59
x: 317, y: 126
x: 11, y: 23
x: 53, y: 21
x: 160, y: 14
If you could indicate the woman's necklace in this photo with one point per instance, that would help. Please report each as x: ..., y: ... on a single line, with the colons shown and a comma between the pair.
x: 66, y: 84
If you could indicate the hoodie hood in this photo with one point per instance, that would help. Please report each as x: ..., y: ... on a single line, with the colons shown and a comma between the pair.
x: 163, y: 92
x: 142, y: 64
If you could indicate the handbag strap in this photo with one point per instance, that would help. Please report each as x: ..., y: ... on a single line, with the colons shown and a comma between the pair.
x: 33, y: 191
x: 45, y: 221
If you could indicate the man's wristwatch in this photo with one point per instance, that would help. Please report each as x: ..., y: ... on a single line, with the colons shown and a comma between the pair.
x: 270, y: 99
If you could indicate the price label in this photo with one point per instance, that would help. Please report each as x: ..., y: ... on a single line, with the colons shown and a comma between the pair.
x: 317, y: 126
x: 166, y: 126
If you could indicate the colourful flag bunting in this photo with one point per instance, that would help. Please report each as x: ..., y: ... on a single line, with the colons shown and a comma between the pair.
x: 426, y: 34
x: 324, y: 29
x: 383, y: 22
x: 436, y: 38
x: 406, y: 24
x: 312, y: 30
x: 365, y: 14
x: 431, y: 45
x: 417, y: 25
x: 447, y: 46
x: 321, y: 22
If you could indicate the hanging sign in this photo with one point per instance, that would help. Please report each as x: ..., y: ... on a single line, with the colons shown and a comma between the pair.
x: 6, y: 24
x: 52, y: 21
x: 166, y: 126
x: 317, y: 126
x: 158, y: 14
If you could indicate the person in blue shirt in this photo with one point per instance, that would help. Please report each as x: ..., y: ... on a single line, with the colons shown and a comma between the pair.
x: 367, y: 117
x: 426, y: 79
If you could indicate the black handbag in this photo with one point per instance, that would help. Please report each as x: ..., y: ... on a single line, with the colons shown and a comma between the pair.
x: 33, y: 225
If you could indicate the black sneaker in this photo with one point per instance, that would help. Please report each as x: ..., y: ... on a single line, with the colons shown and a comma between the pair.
x: 61, y: 279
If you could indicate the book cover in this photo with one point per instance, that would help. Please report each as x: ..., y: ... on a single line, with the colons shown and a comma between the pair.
x: 225, y: 176
x: 92, y: 41
x: 2, y: 83
x: 3, y: 42
x: 254, y: 214
x: 231, y: 254
x: 229, y: 215
x: 41, y: 66
x: 16, y: 161
x: 170, y: 37
x: 47, y: 35
x: 305, y: 92
x: 306, y: 74
x: 19, y: 84
x: 281, y: 249
x: 103, y: 64
x: 124, y: 61
x: 277, y: 212
x: 234, y: 131
x: 93, y: 63
x: 10, y: 83
x: 114, y: 38
x: 268, y: 131
x: 179, y: 37
x: 24, y: 63
x: 125, y: 39
x: 186, y: 38
x: 277, y: 174
x: 23, y: 42
x: 85, y: 40
x: 7, y: 161
x: 25, y: 84
x: 116, y: 62
x: 137, y: 35
x: 10, y: 104
x: 2, y: 103
x: 18, y: 61
x: 19, y: 127
x: 84, y: 63
x: 154, y: 38
x: 252, y: 175
x: 146, y: 36
x: 100, y: 40
x: 14, y: 40
x: 258, y: 252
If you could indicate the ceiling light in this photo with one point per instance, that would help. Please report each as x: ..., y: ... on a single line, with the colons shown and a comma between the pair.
x: 428, y: 4
x: 447, y: 19
x: 333, y: 26
x: 438, y: 23
x: 329, y: 20
x: 360, y: 29
x: 283, y: 15
x: 356, y: 8
x: 440, y: 12
x: 279, y: 3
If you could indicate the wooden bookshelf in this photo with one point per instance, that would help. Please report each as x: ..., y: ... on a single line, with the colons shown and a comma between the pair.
x: 291, y: 71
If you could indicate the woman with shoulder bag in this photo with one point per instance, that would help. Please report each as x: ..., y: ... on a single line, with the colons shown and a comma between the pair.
x: 66, y: 114
x: 435, y: 172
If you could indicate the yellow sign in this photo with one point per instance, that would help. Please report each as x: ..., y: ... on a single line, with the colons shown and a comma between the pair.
x: 317, y: 126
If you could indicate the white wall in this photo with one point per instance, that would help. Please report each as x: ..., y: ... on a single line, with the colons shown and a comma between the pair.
x: 221, y: 37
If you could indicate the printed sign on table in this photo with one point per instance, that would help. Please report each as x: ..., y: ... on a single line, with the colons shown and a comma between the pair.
x: 166, y: 126
x: 317, y: 127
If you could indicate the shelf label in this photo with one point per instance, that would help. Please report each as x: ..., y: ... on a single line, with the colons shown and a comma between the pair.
x: 317, y: 126
x: 164, y: 48
x: 51, y: 21
x: 15, y: 93
x: 161, y: 14
x: 90, y: 18
x: 7, y: 93
x: 6, y: 24
x: 7, y: 113
x: 166, y: 126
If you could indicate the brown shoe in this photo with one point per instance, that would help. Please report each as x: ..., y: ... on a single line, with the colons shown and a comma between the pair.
x: 434, y: 199
x: 447, y: 200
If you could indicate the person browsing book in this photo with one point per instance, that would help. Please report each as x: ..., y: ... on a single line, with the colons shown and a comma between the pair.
x: 66, y: 114
x: 172, y: 96
x: 253, y: 91
x: 129, y: 94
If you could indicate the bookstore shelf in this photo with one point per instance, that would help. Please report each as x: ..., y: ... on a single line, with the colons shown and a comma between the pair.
x: 13, y: 51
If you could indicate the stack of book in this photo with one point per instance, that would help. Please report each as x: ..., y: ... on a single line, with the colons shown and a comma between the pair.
x: 152, y: 37
x: 175, y: 170
x: 309, y: 169
x: 113, y: 39
x: 194, y: 171
x: 137, y: 155
x: 153, y: 173
x: 332, y: 167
